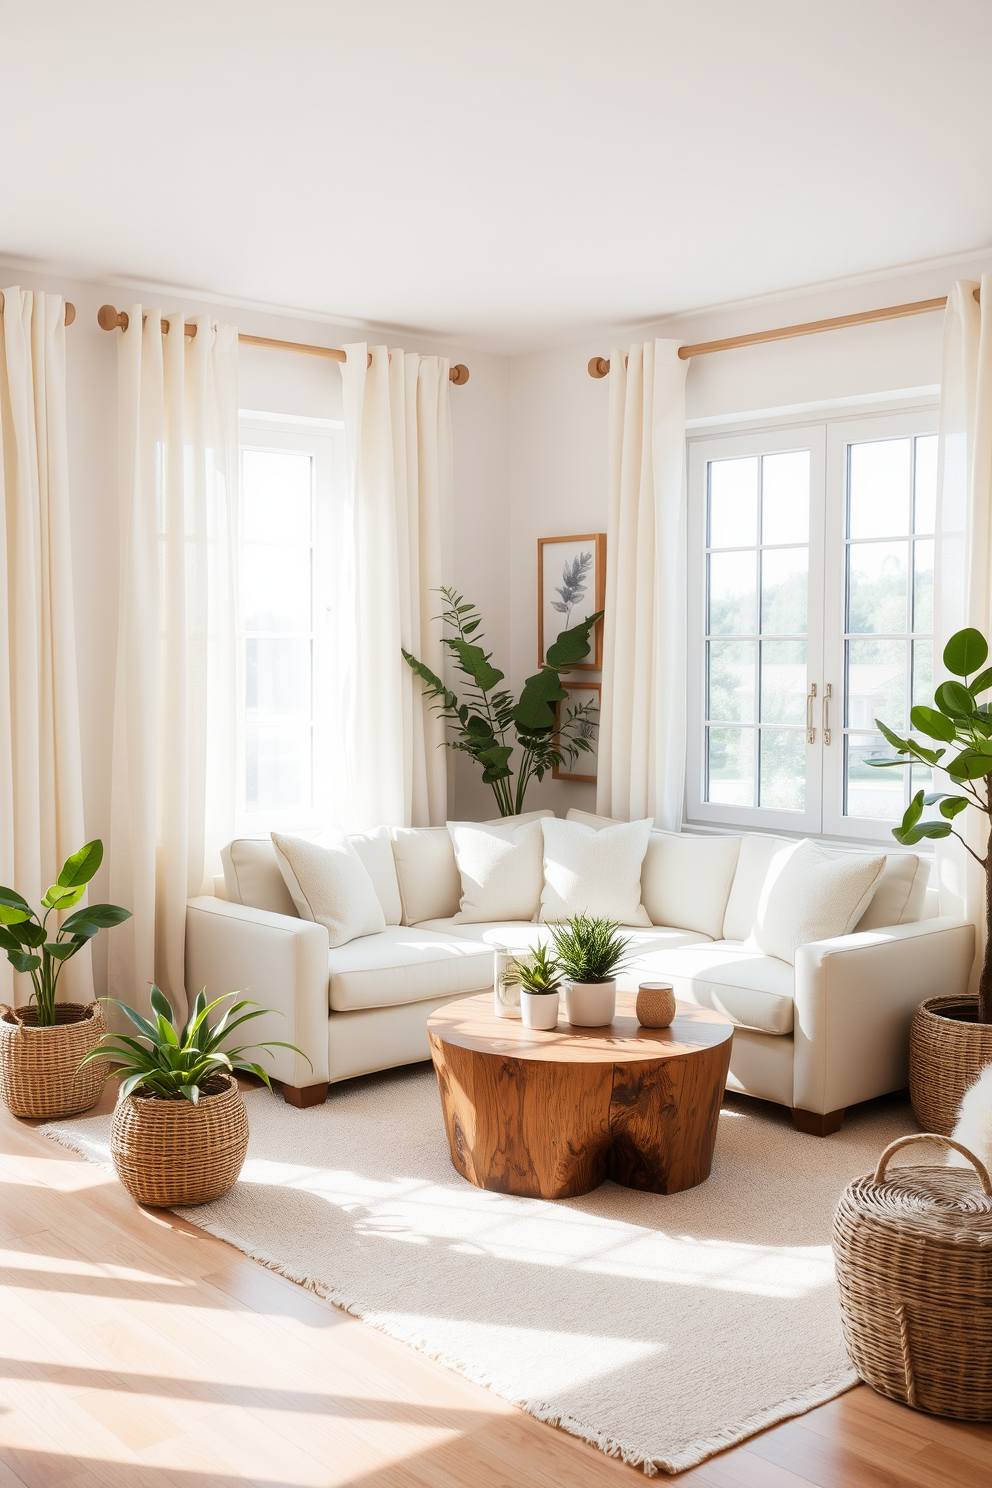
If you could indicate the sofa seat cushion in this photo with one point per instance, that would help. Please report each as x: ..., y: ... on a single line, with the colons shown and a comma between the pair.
x: 403, y: 964
x: 749, y: 988
x: 520, y: 935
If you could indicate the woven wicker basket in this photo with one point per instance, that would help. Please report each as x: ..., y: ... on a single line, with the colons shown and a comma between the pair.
x: 914, y: 1263
x: 946, y: 1055
x: 172, y: 1152
x: 39, y: 1067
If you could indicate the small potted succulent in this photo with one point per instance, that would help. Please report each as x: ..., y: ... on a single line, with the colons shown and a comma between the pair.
x: 43, y: 1043
x: 590, y: 952
x: 180, y: 1130
x: 539, y: 979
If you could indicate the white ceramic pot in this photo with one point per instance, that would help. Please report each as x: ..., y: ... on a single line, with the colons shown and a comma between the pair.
x: 539, y: 1009
x: 591, y: 1004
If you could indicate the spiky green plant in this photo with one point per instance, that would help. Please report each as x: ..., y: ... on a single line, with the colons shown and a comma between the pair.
x: 589, y: 948
x: 537, y: 973
x: 175, y: 1063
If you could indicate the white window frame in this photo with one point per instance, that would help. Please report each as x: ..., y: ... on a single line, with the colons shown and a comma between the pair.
x: 827, y: 436
x: 324, y: 441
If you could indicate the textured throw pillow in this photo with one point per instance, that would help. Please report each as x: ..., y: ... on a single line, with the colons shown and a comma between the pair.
x: 811, y: 896
x: 501, y: 870
x: 594, y: 872
x: 330, y: 884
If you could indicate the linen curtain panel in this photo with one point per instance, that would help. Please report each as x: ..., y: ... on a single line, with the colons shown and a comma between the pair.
x: 41, y: 792
x: 174, y: 748
x: 642, y: 718
x: 398, y: 424
x: 963, y: 587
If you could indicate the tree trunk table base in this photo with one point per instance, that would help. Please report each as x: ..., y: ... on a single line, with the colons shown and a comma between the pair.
x: 552, y: 1114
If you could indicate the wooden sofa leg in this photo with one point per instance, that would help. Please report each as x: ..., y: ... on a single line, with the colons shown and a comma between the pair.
x: 816, y: 1124
x: 305, y: 1095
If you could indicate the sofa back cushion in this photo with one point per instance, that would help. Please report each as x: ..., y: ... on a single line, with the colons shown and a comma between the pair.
x: 252, y: 875
x: 430, y: 886
x: 685, y: 880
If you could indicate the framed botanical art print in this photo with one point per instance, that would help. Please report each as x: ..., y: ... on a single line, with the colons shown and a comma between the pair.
x: 584, y: 766
x: 571, y: 584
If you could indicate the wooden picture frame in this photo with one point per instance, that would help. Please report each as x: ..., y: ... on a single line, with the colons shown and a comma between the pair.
x: 556, y: 560
x: 584, y: 761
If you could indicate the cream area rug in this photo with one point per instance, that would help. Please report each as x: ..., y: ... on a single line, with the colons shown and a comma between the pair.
x: 661, y: 1329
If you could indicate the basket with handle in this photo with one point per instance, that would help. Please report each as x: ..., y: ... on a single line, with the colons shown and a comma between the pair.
x: 913, y: 1252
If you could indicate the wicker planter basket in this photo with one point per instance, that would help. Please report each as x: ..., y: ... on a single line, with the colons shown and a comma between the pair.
x: 171, y: 1152
x: 914, y: 1264
x: 947, y: 1052
x: 39, y: 1067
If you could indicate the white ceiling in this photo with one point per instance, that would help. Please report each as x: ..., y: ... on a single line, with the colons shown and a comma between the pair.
x: 511, y: 175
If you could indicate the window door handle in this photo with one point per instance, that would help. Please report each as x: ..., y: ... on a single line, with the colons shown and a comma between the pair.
x: 827, y: 694
x: 810, y: 730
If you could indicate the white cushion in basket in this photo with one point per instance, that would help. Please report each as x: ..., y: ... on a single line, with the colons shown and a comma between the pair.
x: 594, y: 872
x: 810, y: 895
x: 429, y: 882
x: 330, y: 884
x: 405, y: 964
x: 501, y: 870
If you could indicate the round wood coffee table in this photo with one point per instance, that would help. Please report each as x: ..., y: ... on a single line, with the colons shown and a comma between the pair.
x: 551, y: 1115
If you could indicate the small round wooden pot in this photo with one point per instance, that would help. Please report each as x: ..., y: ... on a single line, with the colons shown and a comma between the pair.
x: 590, y: 1004
x: 170, y: 1152
x: 655, y: 1004
x: 948, y: 1050
x: 39, y: 1067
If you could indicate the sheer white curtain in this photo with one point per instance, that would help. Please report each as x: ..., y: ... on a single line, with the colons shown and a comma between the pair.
x: 642, y: 720
x: 174, y: 706
x: 41, y: 792
x: 963, y: 594
x: 397, y: 418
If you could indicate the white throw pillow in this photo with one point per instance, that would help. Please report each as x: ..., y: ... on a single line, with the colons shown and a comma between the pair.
x: 430, y: 885
x: 331, y: 885
x: 501, y: 868
x: 809, y: 896
x: 594, y: 872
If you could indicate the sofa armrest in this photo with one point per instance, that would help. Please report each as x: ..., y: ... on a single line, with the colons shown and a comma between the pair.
x: 278, y: 961
x: 855, y: 999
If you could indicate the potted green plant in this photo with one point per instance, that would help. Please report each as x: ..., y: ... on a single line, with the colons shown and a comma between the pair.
x: 951, y: 1036
x: 590, y: 952
x: 539, y: 979
x: 43, y: 1043
x: 180, y: 1129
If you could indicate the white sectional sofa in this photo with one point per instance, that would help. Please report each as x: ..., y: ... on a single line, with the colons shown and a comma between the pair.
x: 827, y: 1033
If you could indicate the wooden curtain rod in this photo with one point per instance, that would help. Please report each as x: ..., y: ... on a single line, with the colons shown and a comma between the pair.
x: 600, y: 366
x: 70, y: 310
x: 110, y: 319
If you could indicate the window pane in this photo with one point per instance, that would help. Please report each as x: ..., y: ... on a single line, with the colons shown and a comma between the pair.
x: 877, y: 587
x: 731, y: 679
x: 275, y: 496
x: 783, y: 682
x: 922, y: 673
x: 785, y: 497
x: 783, y: 591
x: 733, y: 503
x: 277, y: 767
x: 921, y: 775
x: 276, y: 588
x: 923, y: 586
x: 879, y: 488
x: 876, y: 684
x: 872, y: 793
x: 732, y: 598
x: 730, y: 766
x: 783, y: 770
x: 277, y: 677
x: 926, y: 483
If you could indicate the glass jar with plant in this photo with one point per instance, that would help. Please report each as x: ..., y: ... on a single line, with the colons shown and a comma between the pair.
x: 539, y: 978
x: 43, y: 1043
x: 590, y: 952
x: 180, y: 1129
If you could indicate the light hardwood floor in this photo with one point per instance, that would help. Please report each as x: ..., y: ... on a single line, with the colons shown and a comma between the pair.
x: 138, y: 1352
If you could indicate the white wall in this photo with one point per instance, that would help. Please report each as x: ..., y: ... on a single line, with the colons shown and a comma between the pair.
x: 559, y: 415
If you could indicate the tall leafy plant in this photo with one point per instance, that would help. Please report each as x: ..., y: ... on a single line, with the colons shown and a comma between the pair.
x: 31, y: 945
x: 964, y: 724
x: 488, y: 724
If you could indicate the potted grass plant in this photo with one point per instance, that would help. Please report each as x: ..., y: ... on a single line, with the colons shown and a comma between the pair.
x: 590, y: 951
x: 43, y: 1043
x: 180, y: 1129
x: 539, y: 979
x: 951, y: 1036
